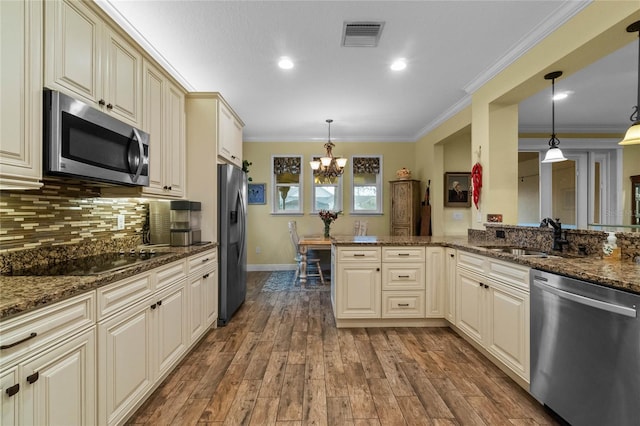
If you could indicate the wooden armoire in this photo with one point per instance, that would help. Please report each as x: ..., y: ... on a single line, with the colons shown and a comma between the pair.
x: 405, y: 207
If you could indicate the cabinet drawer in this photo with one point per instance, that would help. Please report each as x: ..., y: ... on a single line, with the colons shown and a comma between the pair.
x: 472, y: 261
x: 356, y: 254
x: 510, y: 273
x: 124, y: 293
x: 403, y: 304
x: 403, y: 254
x: 46, y: 325
x: 405, y: 276
x: 202, y: 260
x: 169, y: 274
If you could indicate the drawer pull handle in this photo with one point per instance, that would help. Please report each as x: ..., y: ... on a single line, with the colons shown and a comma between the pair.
x: 403, y: 304
x: 33, y: 378
x: 153, y: 306
x: 159, y: 303
x: 205, y: 260
x: 358, y: 255
x: 205, y: 276
x: 452, y: 255
x: 403, y: 276
x: 12, y: 390
x: 10, y: 345
x: 403, y: 254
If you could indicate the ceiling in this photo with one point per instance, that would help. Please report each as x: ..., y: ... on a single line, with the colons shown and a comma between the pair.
x: 451, y: 48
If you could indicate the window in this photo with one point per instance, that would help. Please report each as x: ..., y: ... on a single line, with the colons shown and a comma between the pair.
x: 286, y: 178
x: 326, y: 192
x: 367, y: 185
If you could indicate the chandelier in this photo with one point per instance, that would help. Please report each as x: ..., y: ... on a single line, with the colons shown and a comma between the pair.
x: 328, y: 166
x: 554, y: 154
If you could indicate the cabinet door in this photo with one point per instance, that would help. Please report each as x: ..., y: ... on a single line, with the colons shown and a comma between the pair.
x: 60, y: 384
x: 72, y: 49
x: 507, y: 334
x: 196, y: 298
x: 170, y: 323
x: 125, y: 362
x: 359, y: 291
x: 470, y: 305
x: 21, y: 100
x: 210, y: 290
x: 435, y: 282
x: 450, y: 289
x: 122, y: 83
x: 153, y: 105
x: 9, y: 405
x: 228, y: 136
x: 174, y: 162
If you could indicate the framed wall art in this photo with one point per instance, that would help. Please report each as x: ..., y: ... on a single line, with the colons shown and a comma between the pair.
x: 457, y: 189
x: 257, y: 193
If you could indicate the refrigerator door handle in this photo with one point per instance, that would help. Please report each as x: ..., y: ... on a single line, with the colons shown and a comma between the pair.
x: 243, y: 221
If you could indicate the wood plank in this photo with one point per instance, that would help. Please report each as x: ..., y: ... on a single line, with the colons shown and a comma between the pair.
x: 369, y: 359
x: 387, y: 408
x: 362, y: 405
x: 265, y: 412
x: 427, y: 394
x: 393, y: 372
x: 298, y: 348
x: 222, y: 399
x: 314, y: 409
x: 211, y: 378
x: 459, y: 406
x: 190, y: 412
x: 488, y: 411
x: 292, y: 394
x: 413, y: 411
x: 273, y: 377
x: 242, y: 407
x: 339, y: 411
x: 335, y: 379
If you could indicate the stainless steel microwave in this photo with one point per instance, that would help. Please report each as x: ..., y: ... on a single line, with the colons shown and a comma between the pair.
x: 85, y: 143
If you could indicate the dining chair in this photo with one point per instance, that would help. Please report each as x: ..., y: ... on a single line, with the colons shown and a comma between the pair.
x: 313, y: 262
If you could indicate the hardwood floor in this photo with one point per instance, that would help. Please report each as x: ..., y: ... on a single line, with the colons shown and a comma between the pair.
x: 282, y: 361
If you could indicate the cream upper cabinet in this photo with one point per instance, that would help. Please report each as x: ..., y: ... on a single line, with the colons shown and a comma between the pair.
x: 21, y: 100
x: 163, y: 117
x: 229, y: 135
x: 87, y: 59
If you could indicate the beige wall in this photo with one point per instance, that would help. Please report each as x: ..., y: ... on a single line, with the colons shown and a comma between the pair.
x: 269, y: 234
x: 456, y: 158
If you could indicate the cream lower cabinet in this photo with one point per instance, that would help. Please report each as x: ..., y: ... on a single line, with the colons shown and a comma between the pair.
x: 48, y: 365
x: 21, y: 100
x: 492, y: 308
x: 403, y: 282
x: 435, y: 282
x: 202, y: 288
x: 358, y: 283
x: 450, y: 284
x: 141, y: 336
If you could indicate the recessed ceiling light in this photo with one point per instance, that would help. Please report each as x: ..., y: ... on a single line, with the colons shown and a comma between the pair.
x: 398, y: 65
x: 285, y: 63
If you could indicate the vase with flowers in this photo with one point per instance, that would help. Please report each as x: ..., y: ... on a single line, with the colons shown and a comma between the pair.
x: 328, y: 217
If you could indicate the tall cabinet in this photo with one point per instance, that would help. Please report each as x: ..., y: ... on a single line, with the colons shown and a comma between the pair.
x: 405, y: 207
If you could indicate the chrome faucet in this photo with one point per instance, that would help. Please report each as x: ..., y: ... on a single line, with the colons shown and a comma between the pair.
x: 558, y: 241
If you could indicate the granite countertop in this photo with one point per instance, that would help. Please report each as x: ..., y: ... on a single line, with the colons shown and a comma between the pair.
x: 19, y: 294
x: 616, y: 274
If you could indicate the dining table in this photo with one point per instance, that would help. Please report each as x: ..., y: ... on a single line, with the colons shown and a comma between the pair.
x: 310, y: 242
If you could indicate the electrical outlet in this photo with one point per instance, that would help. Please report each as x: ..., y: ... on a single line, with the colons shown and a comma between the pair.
x: 457, y: 216
x: 120, y: 220
x: 258, y: 250
x: 500, y: 233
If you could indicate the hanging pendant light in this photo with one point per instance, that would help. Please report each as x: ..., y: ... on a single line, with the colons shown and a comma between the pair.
x: 632, y: 137
x: 329, y: 166
x: 554, y: 154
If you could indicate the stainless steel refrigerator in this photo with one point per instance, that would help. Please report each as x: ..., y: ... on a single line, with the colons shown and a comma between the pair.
x: 232, y: 240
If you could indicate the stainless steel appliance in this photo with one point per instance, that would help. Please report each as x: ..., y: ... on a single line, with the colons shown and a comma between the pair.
x: 159, y: 222
x: 185, y: 223
x: 232, y: 235
x: 585, y: 350
x: 85, y: 143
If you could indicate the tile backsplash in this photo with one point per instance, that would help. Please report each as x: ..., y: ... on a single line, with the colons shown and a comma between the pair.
x: 65, y: 212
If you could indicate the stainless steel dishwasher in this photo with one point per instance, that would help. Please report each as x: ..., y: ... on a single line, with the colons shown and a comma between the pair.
x: 585, y: 350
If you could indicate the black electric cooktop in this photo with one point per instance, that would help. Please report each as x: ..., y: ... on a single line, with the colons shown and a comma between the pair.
x: 89, y: 265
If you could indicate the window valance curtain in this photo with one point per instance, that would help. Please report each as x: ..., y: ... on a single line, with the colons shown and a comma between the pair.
x: 366, y: 165
x: 283, y: 165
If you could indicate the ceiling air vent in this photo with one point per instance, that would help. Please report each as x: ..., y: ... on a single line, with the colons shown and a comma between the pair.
x: 361, y: 34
